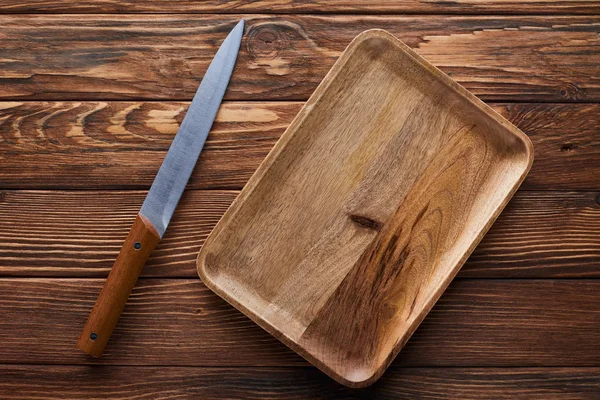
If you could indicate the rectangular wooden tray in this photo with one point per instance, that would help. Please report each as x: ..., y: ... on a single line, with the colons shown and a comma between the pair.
x: 365, y: 209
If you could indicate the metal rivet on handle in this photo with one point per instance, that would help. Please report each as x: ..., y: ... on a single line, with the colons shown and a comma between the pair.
x: 137, y: 245
x: 94, y: 336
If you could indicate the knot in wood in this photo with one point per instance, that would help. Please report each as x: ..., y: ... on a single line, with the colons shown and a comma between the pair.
x: 266, y: 41
x: 571, y: 91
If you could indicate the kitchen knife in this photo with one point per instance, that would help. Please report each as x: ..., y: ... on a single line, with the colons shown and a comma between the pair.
x: 165, y: 192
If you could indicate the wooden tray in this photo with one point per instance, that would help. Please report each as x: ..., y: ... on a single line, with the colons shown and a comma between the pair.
x: 366, y: 208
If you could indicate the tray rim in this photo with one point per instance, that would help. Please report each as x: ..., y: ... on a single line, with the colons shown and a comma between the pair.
x: 280, y: 145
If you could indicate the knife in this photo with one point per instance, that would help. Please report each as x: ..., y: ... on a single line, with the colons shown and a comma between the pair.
x: 165, y: 192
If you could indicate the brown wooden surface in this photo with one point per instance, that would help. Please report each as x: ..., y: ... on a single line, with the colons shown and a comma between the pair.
x: 56, y: 382
x: 118, y: 145
x: 284, y: 57
x: 464, y: 7
x: 179, y: 322
x: 79, y: 234
x: 61, y: 129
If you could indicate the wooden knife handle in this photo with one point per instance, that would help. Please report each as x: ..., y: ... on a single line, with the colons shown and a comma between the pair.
x: 140, y: 242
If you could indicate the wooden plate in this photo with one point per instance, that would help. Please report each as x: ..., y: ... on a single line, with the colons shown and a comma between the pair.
x: 366, y: 208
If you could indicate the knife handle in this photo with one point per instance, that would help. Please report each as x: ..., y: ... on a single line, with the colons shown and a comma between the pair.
x: 140, y: 242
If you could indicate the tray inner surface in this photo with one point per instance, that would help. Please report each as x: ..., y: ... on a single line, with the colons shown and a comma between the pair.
x: 386, y: 183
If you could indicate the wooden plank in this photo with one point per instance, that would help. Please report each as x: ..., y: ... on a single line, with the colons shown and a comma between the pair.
x: 565, y: 140
x: 180, y: 322
x: 115, y: 145
x: 116, y: 382
x: 284, y: 57
x: 312, y: 7
x: 122, y: 144
x: 554, y: 232
x: 79, y: 234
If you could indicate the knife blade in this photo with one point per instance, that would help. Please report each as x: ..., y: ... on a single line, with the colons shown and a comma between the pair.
x: 164, y: 194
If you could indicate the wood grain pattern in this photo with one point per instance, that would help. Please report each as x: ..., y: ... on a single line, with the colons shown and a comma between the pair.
x: 284, y: 57
x: 463, y: 7
x: 55, y: 382
x: 179, y: 322
x: 365, y: 209
x: 386, y: 294
x: 78, y: 234
x: 117, y: 145
x: 102, y: 144
x: 566, y: 143
x: 122, y: 144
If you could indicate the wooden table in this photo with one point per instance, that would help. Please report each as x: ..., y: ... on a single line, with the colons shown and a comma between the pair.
x: 92, y: 93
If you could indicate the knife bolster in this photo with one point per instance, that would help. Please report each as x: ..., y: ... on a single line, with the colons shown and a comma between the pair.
x: 140, y: 242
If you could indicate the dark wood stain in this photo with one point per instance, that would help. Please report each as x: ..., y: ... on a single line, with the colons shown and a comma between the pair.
x: 284, y: 57
x: 485, y: 322
x: 41, y: 151
x: 309, y: 7
x: 284, y: 383
x: 365, y: 222
x: 529, y: 383
x: 84, y: 126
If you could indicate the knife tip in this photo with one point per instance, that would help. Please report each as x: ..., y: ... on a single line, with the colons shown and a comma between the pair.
x: 237, y: 32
